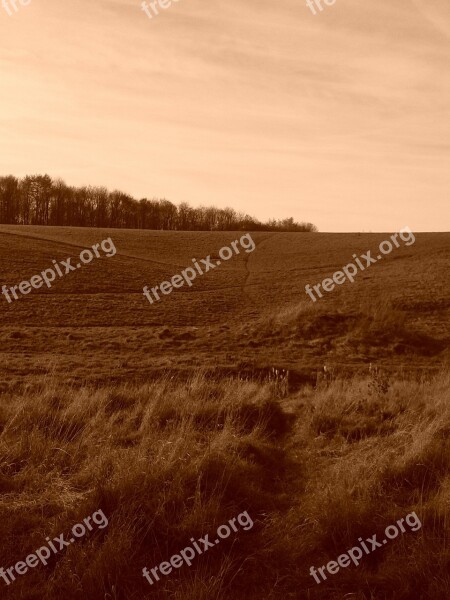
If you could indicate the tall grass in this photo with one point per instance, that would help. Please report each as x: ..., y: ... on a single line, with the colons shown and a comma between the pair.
x: 164, y: 461
x: 370, y: 456
x: 171, y: 460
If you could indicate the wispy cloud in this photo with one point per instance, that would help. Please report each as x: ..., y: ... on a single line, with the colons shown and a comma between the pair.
x: 339, y: 118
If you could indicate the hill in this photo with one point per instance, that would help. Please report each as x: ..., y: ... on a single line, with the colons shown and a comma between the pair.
x: 294, y: 433
x: 96, y: 324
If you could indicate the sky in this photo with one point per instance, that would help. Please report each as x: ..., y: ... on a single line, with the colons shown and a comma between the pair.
x: 339, y: 118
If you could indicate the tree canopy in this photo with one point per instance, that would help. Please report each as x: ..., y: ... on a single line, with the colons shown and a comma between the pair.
x: 40, y: 200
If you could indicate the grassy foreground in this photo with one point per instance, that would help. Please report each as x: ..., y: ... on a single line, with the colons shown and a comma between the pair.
x: 171, y: 460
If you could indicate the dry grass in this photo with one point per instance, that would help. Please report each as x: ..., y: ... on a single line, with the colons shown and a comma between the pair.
x: 374, y: 328
x: 165, y: 462
x: 169, y: 455
x: 169, y: 460
x: 369, y: 457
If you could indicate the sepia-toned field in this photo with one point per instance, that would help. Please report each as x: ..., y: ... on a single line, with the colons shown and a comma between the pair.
x: 172, y: 419
x: 95, y: 323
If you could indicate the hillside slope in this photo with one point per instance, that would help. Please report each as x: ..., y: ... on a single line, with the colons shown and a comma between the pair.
x: 253, y: 309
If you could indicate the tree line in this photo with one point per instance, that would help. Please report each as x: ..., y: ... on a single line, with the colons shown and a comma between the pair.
x: 40, y: 200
